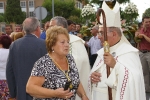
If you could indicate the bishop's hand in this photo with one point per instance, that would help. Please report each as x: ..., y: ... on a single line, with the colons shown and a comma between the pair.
x: 95, y: 77
x: 109, y: 60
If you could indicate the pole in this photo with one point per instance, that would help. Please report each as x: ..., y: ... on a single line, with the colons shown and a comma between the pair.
x: 53, y: 8
x: 40, y: 16
x: 27, y: 5
x: 105, y: 45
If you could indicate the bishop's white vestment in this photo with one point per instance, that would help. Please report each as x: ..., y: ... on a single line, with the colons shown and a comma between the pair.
x: 78, y: 51
x: 126, y: 78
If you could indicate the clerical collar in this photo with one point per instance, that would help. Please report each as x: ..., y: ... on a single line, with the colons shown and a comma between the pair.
x: 116, y: 43
x: 115, y: 46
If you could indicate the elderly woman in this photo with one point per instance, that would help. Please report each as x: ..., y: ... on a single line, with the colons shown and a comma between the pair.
x: 53, y: 71
x: 5, y: 42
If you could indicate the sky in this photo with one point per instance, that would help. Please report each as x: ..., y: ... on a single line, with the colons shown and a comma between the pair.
x: 142, y: 5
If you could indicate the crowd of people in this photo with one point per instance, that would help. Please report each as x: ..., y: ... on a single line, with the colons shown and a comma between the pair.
x: 53, y: 64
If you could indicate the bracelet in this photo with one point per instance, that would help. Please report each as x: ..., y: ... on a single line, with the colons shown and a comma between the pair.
x: 83, y: 95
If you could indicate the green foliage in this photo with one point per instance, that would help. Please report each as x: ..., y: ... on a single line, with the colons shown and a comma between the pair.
x: 122, y: 14
x: 13, y: 12
x: 146, y: 13
x: 85, y: 31
x: 88, y: 14
x: 75, y: 19
x: 2, y: 18
x: 130, y: 13
x: 129, y: 32
x: 123, y: 1
x: 76, y: 12
x: 137, y: 40
x: 84, y: 1
x: 64, y: 8
x: 97, y: 2
x: 130, y: 18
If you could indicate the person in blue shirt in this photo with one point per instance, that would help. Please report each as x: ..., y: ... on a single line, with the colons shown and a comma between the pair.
x: 43, y: 34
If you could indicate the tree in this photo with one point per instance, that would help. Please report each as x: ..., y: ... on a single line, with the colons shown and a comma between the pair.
x: 84, y: 2
x: 130, y: 13
x: 2, y: 18
x: 61, y: 8
x: 13, y: 12
x: 146, y: 13
x: 88, y: 13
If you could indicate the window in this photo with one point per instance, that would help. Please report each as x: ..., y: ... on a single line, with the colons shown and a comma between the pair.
x: 31, y: 14
x: 31, y: 3
x: 79, y: 5
x: 23, y: 4
x: 1, y: 5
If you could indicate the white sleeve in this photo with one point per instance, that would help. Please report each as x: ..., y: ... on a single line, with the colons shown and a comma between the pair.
x: 112, y: 79
x: 89, y: 43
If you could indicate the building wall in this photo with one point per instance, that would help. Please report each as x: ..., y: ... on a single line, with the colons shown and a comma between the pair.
x: 38, y: 2
x: 28, y: 9
x: 2, y: 6
x: 26, y: 6
x: 29, y: 6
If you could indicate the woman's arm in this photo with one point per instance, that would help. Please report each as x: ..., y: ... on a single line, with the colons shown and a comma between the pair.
x: 81, y: 93
x: 35, y: 89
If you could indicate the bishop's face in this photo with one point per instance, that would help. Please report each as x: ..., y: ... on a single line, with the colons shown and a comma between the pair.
x: 109, y: 36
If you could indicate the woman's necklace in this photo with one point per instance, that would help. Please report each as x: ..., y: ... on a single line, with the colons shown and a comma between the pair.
x: 65, y: 73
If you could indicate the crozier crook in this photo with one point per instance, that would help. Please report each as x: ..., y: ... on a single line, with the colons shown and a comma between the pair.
x: 105, y: 45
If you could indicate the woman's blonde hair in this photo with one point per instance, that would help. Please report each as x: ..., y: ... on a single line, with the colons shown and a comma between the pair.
x: 52, y: 35
x: 18, y: 35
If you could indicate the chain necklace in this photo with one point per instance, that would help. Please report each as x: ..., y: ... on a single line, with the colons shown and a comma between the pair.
x: 65, y: 73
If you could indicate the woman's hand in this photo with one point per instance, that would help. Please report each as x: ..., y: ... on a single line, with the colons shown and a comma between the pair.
x: 60, y: 93
x: 95, y: 77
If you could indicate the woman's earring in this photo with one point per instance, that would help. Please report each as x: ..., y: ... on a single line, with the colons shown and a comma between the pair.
x: 52, y: 50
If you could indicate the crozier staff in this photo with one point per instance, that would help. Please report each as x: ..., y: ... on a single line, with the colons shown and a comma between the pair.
x: 105, y: 45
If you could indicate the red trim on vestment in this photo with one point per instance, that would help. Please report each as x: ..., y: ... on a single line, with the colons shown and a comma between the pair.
x: 125, y: 80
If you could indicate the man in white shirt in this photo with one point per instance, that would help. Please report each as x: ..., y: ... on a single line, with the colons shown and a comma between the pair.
x: 94, y: 43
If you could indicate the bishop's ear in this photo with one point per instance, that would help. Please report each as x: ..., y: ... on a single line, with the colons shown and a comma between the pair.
x: 114, y: 33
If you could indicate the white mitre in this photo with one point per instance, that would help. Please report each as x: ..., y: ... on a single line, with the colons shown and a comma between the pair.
x: 112, y: 17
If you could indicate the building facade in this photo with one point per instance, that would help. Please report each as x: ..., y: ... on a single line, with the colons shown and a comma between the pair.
x: 29, y: 6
